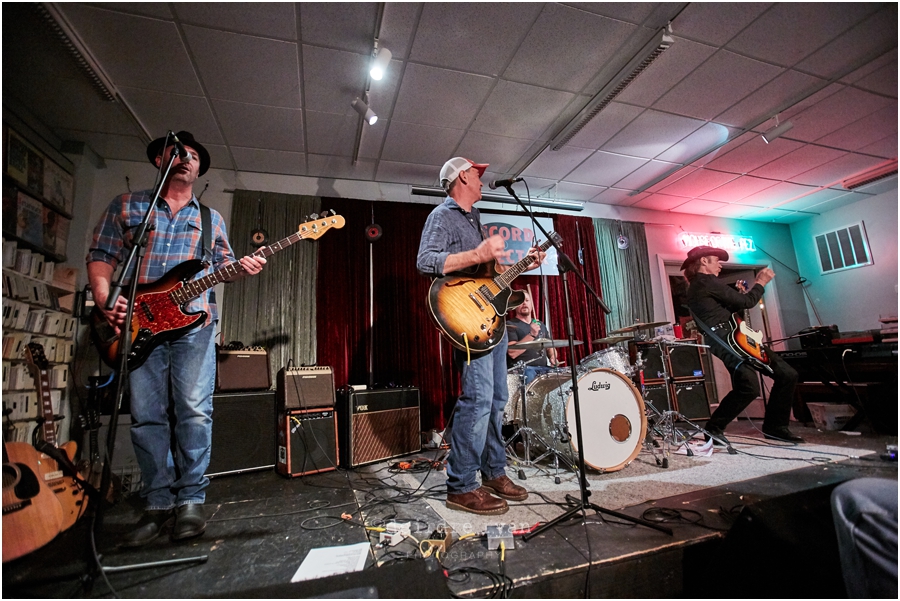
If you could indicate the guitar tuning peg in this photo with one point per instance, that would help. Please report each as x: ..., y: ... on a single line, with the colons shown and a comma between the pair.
x: 312, y: 217
x: 332, y: 211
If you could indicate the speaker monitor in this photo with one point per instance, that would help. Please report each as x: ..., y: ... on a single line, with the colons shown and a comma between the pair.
x: 653, y: 365
x: 685, y: 361
x: 691, y: 399
x: 243, y: 432
x: 683, y: 364
x: 379, y: 424
x: 245, y: 369
x: 305, y: 388
x: 655, y: 395
x: 307, y: 442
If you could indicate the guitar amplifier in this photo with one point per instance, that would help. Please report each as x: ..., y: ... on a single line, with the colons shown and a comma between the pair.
x: 307, y: 442
x: 243, y: 432
x: 378, y: 424
x: 242, y: 370
x: 305, y: 388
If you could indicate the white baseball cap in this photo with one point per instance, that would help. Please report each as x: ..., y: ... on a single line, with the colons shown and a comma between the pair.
x: 452, y: 168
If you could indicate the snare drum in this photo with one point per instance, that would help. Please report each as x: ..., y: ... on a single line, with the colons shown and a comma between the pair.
x: 612, y: 412
x: 610, y: 358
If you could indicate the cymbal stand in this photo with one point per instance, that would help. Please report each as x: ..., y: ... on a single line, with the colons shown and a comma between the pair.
x: 529, y: 437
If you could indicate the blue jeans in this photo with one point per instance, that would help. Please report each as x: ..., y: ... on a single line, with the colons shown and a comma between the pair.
x: 183, y: 373
x: 531, y: 372
x: 476, y: 442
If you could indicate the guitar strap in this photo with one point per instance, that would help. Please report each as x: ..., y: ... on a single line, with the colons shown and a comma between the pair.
x: 708, y: 331
x: 206, y: 240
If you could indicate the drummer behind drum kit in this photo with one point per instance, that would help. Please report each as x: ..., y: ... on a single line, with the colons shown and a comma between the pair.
x: 612, y: 408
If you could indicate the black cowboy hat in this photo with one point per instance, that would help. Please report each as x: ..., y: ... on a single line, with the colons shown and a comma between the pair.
x: 155, y: 148
x: 696, y: 253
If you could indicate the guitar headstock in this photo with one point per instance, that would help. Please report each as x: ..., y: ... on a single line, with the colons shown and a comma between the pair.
x: 556, y: 237
x: 34, y: 355
x: 315, y: 228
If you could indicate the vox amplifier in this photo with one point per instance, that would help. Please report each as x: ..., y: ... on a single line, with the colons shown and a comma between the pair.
x: 378, y: 424
x: 305, y: 388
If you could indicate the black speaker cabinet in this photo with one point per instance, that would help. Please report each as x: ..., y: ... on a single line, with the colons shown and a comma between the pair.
x: 245, y: 369
x: 685, y: 362
x: 243, y: 432
x: 653, y: 365
x: 691, y: 399
x: 655, y: 395
x: 378, y: 424
x: 307, y: 442
x: 305, y: 388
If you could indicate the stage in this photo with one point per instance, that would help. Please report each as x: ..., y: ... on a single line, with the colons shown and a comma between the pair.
x: 755, y: 524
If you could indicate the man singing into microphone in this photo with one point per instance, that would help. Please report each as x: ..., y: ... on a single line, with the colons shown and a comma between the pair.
x: 525, y: 328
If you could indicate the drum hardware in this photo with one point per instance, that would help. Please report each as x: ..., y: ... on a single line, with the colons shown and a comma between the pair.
x: 542, y: 343
x: 640, y: 326
x: 612, y: 339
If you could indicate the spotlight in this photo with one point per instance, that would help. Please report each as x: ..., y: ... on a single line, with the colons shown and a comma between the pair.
x: 777, y: 131
x: 364, y: 111
x: 382, y: 60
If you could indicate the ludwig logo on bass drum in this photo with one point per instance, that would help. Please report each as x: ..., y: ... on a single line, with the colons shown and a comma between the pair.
x: 595, y: 385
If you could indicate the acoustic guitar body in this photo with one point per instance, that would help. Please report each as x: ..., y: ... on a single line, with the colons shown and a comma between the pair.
x: 32, y: 516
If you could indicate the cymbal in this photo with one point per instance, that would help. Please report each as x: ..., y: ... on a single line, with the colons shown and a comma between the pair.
x: 611, y: 340
x: 542, y: 343
x: 640, y: 326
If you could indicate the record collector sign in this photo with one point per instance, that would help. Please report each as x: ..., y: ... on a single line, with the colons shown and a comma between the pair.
x: 518, y: 233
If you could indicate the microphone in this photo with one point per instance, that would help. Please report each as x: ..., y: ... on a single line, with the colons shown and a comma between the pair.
x: 502, y: 183
x: 182, y: 151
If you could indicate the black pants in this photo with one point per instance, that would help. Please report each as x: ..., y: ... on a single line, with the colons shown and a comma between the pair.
x: 745, y: 382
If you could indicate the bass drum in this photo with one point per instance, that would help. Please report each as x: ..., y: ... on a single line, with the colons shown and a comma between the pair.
x: 612, y: 413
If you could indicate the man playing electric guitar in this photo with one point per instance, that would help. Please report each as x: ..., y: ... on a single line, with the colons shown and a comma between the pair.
x: 181, y: 370
x: 453, y: 241
x: 713, y: 302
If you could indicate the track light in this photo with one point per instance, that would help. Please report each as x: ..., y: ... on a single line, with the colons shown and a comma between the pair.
x: 379, y: 66
x: 364, y: 111
x: 777, y: 131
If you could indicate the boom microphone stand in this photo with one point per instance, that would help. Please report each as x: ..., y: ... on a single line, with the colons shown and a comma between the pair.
x: 138, y: 250
x: 578, y: 506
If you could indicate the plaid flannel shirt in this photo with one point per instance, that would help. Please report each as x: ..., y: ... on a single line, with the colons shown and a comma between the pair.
x: 175, y: 239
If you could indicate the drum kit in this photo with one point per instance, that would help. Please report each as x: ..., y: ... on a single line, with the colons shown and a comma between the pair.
x: 612, y: 408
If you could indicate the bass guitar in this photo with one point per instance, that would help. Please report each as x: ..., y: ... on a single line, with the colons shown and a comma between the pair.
x: 71, y: 496
x: 746, y: 341
x: 159, y: 314
x: 470, y: 309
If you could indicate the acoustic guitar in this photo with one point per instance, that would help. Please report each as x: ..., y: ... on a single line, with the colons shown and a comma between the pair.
x: 470, y: 309
x: 32, y: 517
x: 159, y: 314
x: 71, y: 496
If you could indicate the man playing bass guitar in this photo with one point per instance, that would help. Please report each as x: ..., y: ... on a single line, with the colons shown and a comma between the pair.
x: 713, y: 302
x: 181, y: 370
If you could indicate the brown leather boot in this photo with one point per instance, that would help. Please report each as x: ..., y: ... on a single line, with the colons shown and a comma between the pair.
x: 478, y: 501
x: 505, y: 488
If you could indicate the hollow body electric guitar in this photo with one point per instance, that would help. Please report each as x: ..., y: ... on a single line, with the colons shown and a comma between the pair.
x: 470, y: 309
x: 159, y: 314
x: 746, y: 341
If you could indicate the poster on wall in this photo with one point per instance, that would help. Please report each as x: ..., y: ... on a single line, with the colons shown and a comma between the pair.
x: 518, y: 233
x: 58, y: 186
x: 29, y: 219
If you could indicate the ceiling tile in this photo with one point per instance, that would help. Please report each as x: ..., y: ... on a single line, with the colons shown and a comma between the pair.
x: 735, y: 211
x: 839, y: 201
x: 885, y: 147
x: 766, y: 101
x: 397, y: 25
x: 328, y: 133
x: 605, y: 125
x: 448, y: 37
x: 671, y: 178
x: 576, y: 192
x: 373, y: 139
x: 604, y: 169
x: 876, y: 32
x: 332, y: 79
x: 775, y: 195
x: 441, y: 97
x: 641, y: 138
x: 121, y: 42
x: 643, y: 174
x: 660, y: 202
x: 716, y: 85
x: 255, y: 126
x: 710, y: 135
x: 556, y: 164
x: 803, y: 159
x: 259, y: 160
x: 698, y: 207
x: 159, y: 10
x: 520, y: 111
x: 811, y: 200
x: 738, y: 189
x: 666, y: 71
x: 590, y: 42
x: 501, y: 152
x: 698, y: 183
x: 278, y: 20
x: 753, y: 153
x: 320, y: 165
x: 249, y: 69
x: 716, y: 23
x: 112, y: 146
x: 616, y: 196
x: 193, y: 113
x: 407, y: 173
x: 709, y: 157
x: 344, y: 25
x: 632, y: 12
x: 420, y: 144
x: 776, y: 38
x: 865, y: 131
x: 883, y: 81
x: 834, y: 112
x: 837, y: 170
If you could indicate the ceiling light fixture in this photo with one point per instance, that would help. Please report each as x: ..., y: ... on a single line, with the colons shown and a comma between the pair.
x: 364, y: 111
x: 777, y: 131
x: 380, y: 64
x: 660, y: 42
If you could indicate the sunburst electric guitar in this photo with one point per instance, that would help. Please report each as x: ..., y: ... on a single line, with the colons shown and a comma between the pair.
x: 470, y: 309
x: 159, y: 314
x: 746, y: 341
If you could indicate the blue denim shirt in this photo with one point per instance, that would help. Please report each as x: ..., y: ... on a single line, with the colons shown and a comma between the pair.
x: 448, y: 230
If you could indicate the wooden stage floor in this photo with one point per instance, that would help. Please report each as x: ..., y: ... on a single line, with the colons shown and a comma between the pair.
x: 740, y: 540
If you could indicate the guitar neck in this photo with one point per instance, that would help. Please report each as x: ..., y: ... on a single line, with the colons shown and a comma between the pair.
x: 504, y: 280
x: 42, y: 380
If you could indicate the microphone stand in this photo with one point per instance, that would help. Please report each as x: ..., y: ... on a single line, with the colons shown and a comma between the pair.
x: 579, y: 506
x: 138, y: 250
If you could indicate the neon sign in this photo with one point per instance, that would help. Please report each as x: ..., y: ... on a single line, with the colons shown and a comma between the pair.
x: 688, y: 240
